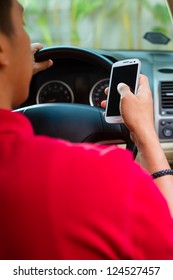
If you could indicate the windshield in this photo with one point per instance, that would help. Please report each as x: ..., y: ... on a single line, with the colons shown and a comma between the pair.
x: 100, y: 24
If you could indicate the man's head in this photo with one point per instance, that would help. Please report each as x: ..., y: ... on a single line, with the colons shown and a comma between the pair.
x: 15, y: 55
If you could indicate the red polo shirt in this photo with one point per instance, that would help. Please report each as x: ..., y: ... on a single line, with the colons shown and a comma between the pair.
x: 60, y: 200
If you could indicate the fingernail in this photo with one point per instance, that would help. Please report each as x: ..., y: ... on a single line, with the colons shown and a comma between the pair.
x: 50, y: 63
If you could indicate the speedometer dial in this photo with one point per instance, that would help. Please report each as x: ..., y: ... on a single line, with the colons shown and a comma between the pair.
x: 55, y: 92
x: 97, y: 94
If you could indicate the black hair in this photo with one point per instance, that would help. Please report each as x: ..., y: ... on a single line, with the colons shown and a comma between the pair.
x: 6, y: 25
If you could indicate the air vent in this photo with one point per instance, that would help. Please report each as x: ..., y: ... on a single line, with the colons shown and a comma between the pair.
x: 167, y: 95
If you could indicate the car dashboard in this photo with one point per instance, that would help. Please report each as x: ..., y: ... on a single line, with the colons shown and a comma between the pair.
x: 69, y: 81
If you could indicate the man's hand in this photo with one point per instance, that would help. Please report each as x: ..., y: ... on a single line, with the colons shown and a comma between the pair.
x: 136, y: 110
x: 39, y: 66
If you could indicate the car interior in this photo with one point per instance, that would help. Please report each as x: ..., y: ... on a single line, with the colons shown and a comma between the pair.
x: 65, y: 100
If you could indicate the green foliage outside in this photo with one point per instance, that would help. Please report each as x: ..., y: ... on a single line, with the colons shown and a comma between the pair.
x: 107, y: 24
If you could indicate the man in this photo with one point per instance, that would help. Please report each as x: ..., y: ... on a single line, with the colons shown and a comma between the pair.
x: 60, y: 200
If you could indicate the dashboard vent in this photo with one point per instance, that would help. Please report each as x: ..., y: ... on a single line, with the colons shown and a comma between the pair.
x: 167, y: 95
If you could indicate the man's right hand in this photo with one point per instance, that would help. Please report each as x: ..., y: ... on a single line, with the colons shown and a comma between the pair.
x: 136, y: 110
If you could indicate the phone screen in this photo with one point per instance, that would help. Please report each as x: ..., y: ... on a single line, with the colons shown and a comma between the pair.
x: 121, y: 74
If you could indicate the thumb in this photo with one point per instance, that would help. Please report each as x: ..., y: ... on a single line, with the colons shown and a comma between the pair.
x: 123, y: 89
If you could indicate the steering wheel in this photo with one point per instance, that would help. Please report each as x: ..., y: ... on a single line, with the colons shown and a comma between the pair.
x: 75, y: 122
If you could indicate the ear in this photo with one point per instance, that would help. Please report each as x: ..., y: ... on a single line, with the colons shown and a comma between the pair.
x: 4, y: 50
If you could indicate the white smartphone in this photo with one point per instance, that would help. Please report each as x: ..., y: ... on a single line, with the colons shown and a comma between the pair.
x: 124, y: 71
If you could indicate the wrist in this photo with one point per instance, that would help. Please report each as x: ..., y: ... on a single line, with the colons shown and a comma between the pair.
x: 150, y: 153
x: 145, y: 138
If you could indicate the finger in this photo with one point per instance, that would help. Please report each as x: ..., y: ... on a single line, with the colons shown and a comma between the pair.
x: 103, y: 104
x: 106, y: 90
x: 36, y: 47
x: 143, y: 85
x: 40, y: 66
x: 143, y: 80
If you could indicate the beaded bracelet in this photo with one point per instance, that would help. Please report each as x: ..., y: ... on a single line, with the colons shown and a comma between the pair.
x: 162, y: 173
